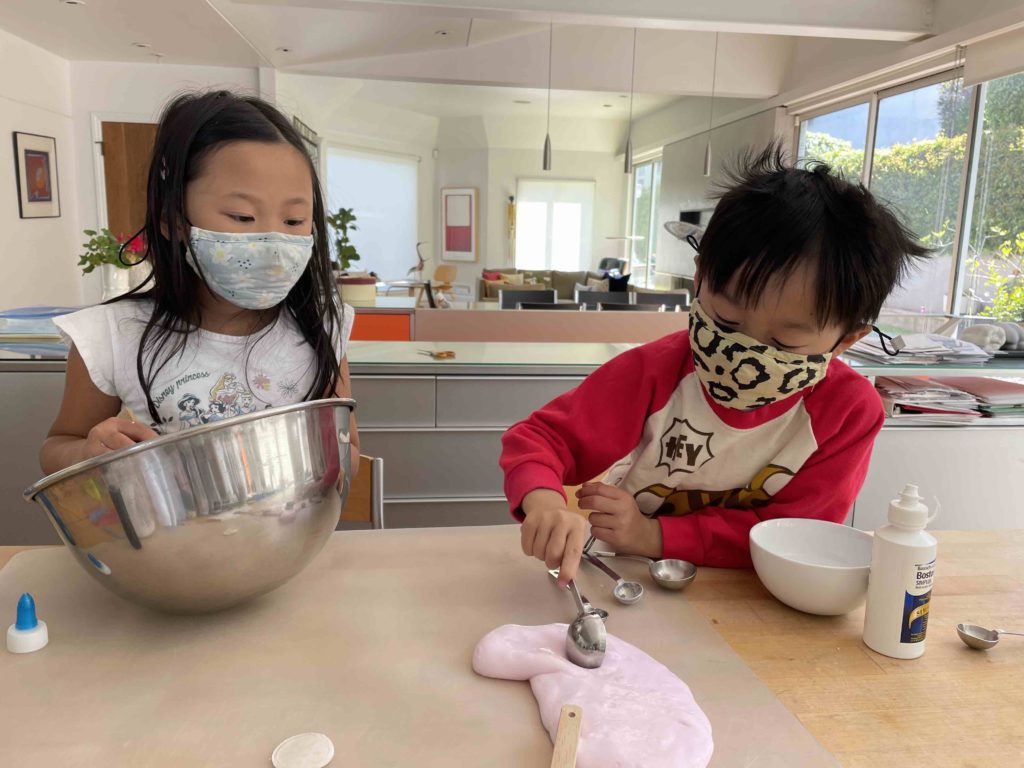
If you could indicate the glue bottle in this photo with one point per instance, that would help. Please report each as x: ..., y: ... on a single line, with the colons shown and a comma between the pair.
x: 900, y: 582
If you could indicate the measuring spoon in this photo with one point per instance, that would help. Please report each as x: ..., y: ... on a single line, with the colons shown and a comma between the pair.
x: 586, y: 638
x: 626, y: 592
x: 980, y: 638
x: 669, y: 574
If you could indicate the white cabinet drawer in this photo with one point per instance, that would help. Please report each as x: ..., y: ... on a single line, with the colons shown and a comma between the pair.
x: 394, y: 401
x: 977, y: 474
x: 495, y: 401
x: 450, y: 512
x: 436, y: 462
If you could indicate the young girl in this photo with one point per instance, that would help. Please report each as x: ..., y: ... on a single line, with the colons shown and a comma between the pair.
x: 240, y: 312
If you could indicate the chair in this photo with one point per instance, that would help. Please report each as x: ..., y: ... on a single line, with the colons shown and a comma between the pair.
x: 670, y: 301
x: 441, y: 281
x: 593, y: 298
x: 365, y: 503
x: 615, y: 306
x: 565, y: 306
x: 611, y: 265
x: 511, y: 299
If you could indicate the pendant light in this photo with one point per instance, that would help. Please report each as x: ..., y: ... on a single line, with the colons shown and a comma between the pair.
x: 547, y: 137
x: 629, y: 133
x: 711, y: 111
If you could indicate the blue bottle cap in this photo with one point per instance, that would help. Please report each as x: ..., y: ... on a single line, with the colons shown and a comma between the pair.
x: 26, y: 613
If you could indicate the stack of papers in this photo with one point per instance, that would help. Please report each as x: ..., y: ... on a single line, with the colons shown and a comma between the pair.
x: 998, y: 398
x: 926, y: 401
x: 31, y: 324
x: 919, y: 349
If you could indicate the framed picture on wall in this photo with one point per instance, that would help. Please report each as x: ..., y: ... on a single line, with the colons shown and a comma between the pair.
x: 310, y: 139
x: 35, y: 169
x: 459, y: 217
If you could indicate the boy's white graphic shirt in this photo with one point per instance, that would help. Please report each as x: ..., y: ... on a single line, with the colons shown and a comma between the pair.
x: 214, y: 377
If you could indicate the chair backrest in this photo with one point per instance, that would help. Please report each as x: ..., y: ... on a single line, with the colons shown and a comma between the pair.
x: 614, y: 306
x: 365, y: 502
x: 511, y: 299
x: 564, y: 307
x: 668, y: 300
x: 593, y: 298
x: 445, y: 273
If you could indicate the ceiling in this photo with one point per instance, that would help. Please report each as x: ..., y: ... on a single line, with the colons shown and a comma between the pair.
x: 452, y: 101
x: 443, y: 41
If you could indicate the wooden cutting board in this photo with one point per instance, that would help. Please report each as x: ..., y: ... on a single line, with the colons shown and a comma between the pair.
x: 370, y: 645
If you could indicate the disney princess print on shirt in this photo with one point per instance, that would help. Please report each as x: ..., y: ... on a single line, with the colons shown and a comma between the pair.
x: 227, y: 398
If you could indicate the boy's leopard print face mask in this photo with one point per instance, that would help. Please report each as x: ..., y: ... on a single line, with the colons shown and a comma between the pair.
x: 742, y: 373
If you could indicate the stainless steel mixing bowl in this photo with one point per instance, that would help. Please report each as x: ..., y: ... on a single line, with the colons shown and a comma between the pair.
x: 204, y: 519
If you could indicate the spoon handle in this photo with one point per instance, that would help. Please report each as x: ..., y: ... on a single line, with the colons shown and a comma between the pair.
x: 641, y: 558
x: 601, y: 566
x: 567, y: 737
x: 581, y: 607
x: 1008, y: 632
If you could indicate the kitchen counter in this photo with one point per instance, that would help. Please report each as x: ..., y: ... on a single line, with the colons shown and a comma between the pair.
x: 952, y: 707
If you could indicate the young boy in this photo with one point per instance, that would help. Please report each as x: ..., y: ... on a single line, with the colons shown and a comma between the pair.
x: 749, y: 415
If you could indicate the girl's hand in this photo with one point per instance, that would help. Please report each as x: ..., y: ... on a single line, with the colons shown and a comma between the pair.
x: 616, y: 519
x: 113, y: 434
x: 552, y: 533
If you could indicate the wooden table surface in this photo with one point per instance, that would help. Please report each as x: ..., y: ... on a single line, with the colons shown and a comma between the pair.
x: 951, y: 707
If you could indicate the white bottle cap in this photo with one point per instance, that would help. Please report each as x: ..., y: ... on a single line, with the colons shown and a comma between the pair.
x: 27, y: 640
x: 908, y: 511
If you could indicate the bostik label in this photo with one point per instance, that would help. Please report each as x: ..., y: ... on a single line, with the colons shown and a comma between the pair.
x: 916, y: 602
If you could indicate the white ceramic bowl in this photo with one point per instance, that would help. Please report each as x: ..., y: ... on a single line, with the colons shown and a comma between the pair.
x: 812, y: 565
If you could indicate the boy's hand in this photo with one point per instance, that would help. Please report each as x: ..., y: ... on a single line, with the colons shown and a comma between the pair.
x: 616, y: 519
x: 115, y: 433
x: 552, y: 533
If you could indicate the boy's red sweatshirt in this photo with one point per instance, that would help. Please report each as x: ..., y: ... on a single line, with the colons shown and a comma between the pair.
x: 706, y: 472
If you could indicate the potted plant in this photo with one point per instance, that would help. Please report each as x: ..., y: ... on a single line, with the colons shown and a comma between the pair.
x: 103, y: 251
x: 345, y: 253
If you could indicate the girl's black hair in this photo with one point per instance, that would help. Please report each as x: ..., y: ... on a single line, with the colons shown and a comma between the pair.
x: 192, y: 126
x: 772, y: 216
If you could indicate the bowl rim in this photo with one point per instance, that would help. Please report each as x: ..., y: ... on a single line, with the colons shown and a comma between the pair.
x: 860, y: 535
x: 39, y: 486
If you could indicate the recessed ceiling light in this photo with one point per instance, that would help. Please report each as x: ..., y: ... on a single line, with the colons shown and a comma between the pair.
x: 140, y: 45
x: 607, y: 106
x: 623, y: 96
x: 521, y: 101
x: 72, y: 2
x: 282, y: 49
x: 442, y: 33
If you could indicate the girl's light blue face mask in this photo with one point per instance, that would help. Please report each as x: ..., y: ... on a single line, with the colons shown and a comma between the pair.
x: 252, y: 270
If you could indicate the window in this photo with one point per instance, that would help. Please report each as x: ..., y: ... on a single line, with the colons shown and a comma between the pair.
x: 381, y: 191
x: 993, y: 281
x: 644, y: 231
x: 554, y: 224
x: 837, y: 138
x: 917, y: 167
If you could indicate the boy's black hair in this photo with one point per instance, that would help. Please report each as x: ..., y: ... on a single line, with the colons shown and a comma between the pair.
x: 191, y: 127
x: 771, y: 216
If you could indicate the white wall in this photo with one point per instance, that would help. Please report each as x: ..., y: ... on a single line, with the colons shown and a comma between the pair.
x: 331, y: 108
x: 130, y: 93
x: 39, y: 255
x: 465, y: 168
x: 505, y: 166
x: 684, y: 187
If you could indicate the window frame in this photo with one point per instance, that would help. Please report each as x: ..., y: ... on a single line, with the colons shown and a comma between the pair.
x: 968, y: 177
x: 648, y: 159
